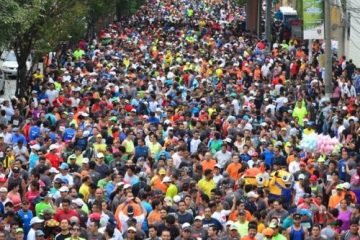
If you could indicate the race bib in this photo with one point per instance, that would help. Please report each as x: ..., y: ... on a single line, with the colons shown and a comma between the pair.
x: 16, y: 122
x: 1, y: 154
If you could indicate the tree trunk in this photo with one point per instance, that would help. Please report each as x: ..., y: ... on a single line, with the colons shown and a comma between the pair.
x: 22, y: 83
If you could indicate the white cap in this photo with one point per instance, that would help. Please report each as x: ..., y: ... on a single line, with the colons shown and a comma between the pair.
x: 52, y: 147
x: 3, y: 189
x: 64, y: 189
x: 186, y: 225
x: 53, y: 170
x: 1, y: 135
x: 167, y: 179
x: 36, y: 220
x: 199, y: 218
x: 301, y: 177
x: 131, y: 229
x: 36, y: 147
x: 252, y: 194
x: 79, y: 202
x: 176, y: 198
x: 85, y: 160
x: 218, y: 166
x: 346, y: 185
x: 100, y: 155
x: 229, y: 223
x: 127, y: 186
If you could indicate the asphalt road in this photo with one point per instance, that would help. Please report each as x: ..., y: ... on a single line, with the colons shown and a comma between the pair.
x: 10, y: 87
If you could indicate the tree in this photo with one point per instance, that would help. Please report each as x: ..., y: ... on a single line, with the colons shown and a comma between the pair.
x: 41, y: 24
x: 24, y: 23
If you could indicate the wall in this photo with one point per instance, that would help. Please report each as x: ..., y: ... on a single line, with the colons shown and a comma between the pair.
x: 352, y: 33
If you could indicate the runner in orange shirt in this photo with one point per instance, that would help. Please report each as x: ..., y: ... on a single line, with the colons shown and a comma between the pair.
x: 234, y: 167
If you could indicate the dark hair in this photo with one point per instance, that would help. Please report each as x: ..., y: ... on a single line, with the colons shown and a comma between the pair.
x: 155, y: 203
x: 170, y: 219
x: 110, y: 229
x: 66, y: 200
x: 13, y: 185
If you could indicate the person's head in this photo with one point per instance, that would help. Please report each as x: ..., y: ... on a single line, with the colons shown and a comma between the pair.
x: 182, y: 206
x: 152, y: 231
x: 165, y: 235
x: 131, y: 232
x: 75, y: 231
x: 354, y: 226
x: 343, y: 204
x: 208, y: 174
x: 297, y: 219
x: 186, y: 230
x: 207, y: 212
x: 315, y: 232
x: 235, y: 158
x: 39, y: 234
x: 252, y: 229
x: 94, y: 226
x: 64, y: 225
x: 99, y: 194
x: 19, y: 234
x: 277, y: 205
x: 212, y: 231
x: 65, y: 204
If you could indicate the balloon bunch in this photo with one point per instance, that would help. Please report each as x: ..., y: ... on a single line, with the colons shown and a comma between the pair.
x: 320, y: 143
x: 309, y: 143
x: 327, y: 145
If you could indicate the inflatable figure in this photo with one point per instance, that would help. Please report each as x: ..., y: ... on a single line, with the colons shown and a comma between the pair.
x: 255, y: 177
x: 280, y: 186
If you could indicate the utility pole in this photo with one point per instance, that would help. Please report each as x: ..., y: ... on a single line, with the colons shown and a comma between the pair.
x: 268, y: 22
x: 328, y: 53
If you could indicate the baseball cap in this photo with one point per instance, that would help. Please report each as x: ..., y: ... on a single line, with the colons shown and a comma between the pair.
x: 64, y: 166
x: 85, y: 160
x: 3, y: 189
x: 167, y: 179
x: 340, y: 186
x: 313, y: 178
x: 64, y: 189
x: 131, y: 229
x: 346, y: 185
x: 162, y: 171
x: 19, y: 230
x: 52, y: 147
x: 100, y: 155
x: 200, y: 218
x: 268, y: 232
x: 252, y: 194
x: 301, y: 177
x: 217, y: 166
x: 36, y: 220
x: 185, y: 226
x: 39, y: 233
x: 229, y: 223
x: 233, y: 227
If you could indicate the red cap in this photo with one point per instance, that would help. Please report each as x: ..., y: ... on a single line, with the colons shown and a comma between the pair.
x: 255, y: 154
x: 95, y: 216
x: 313, y: 178
x: 302, y: 163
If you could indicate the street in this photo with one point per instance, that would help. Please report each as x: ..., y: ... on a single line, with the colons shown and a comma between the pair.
x: 10, y: 87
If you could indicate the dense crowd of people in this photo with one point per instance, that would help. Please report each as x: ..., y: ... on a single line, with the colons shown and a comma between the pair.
x: 176, y: 123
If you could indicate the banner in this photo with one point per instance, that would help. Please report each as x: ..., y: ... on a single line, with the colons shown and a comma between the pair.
x: 313, y: 14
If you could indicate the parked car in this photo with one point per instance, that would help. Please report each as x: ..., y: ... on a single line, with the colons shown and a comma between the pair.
x: 9, y: 65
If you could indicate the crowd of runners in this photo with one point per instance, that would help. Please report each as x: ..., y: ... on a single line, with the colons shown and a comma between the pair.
x: 175, y: 123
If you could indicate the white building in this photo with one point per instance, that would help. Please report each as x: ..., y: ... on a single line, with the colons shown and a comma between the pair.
x: 352, y: 32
